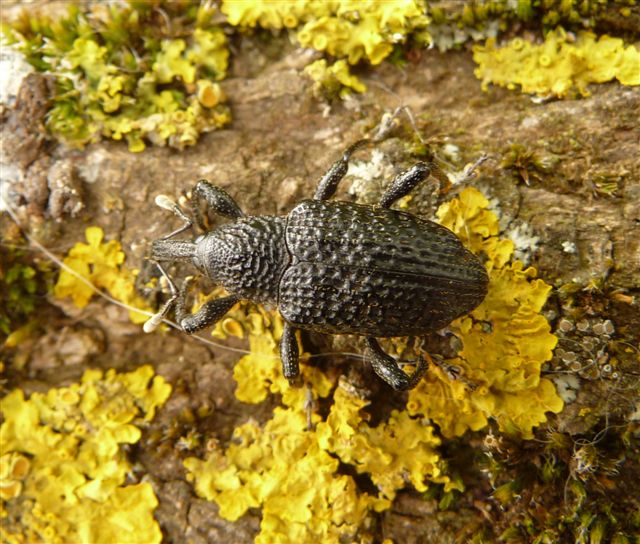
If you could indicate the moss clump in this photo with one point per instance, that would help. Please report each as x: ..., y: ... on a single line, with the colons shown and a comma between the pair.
x: 22, y: 285
x: 553, y: 491
x: 144, y: 72
x: 527, y: 163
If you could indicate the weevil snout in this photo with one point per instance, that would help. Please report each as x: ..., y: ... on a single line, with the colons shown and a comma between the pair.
x: 172, y: 250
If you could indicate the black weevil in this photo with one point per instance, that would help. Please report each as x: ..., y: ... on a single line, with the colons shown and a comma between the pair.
x: 329, y: 266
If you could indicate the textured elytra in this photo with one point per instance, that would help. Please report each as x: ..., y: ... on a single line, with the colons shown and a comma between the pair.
x: 374, y: 271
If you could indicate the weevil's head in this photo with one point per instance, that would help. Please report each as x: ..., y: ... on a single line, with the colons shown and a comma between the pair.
x: 212, y: 253
x: 246, y: 257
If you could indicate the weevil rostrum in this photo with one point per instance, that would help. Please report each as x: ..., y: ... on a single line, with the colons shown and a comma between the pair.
x: 329, y: 266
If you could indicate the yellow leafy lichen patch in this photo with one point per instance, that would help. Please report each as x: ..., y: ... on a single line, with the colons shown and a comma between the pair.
x: 505, y: 340
x: 351, y: 29
x: 395, y: 453
x: 290, y: 466
x: 101, y: 264
x: 558, y: 65
x: 281, y: 469
x: 63, y: 469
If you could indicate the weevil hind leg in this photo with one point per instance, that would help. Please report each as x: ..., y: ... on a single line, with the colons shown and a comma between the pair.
x: 388, y: 369
x: 328, y: 183
x: 218, y: 200
x: 290, y: 355
x: 404, y: 183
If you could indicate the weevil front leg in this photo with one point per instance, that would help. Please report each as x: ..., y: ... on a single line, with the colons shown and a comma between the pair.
x: 211, y: 311
x: 404, y: 183
x: 387, y: 368
x: 217, y: 200
x: 289, y: 354
x: 329, y: 182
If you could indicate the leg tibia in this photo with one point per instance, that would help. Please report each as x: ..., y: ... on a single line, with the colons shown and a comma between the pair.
x: 387, y: 368
x: 289, y: 354
x: 329, y: 182
x: 404, y: 183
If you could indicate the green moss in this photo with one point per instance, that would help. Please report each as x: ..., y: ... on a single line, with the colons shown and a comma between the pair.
x: 455, y: 23
x: 23, y: 283
x: 527, y: 163
x: 129, y: 72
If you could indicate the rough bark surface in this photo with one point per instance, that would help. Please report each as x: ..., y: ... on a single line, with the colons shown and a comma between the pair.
x: 279, y: 144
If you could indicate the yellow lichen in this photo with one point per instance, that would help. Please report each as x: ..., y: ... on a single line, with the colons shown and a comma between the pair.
x: 395, y: 453
x: 289, y: 466
x: 102, y: 265
x: 558, y: 65
x: 505, y: 340
x: 120, y: 75
x: 354, y: 30
x: 63, y: 472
